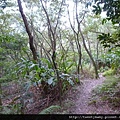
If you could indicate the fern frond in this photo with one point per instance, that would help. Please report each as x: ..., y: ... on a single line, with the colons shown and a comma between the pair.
x: 50, y: 109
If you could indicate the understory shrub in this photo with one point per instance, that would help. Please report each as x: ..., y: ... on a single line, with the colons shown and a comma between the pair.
x: 109, y: 90
x: 109, y: 72
x: 88, y: 72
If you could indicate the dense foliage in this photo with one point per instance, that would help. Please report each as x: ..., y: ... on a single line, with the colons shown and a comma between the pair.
x: 112, y: 9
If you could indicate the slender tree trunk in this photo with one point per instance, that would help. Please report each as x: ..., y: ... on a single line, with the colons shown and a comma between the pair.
x: 83, y: 39
x: 89, y: 50
x: 58, y: 78
x: 80, y: 56
x: 1, y: 72
x: 52, y: 37
x: 78, y: 46
x: 31, y: 41
x: 97, y: 49
x: 97, y: 54
x: 0, y: 95
x: 84, y: 44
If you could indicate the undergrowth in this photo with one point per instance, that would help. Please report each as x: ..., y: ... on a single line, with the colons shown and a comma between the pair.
x: 109, y: 72
x: 109, y: 91
x: 88, y: 72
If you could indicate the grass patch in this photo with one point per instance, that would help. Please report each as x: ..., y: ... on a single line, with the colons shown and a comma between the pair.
x: 109, y: 90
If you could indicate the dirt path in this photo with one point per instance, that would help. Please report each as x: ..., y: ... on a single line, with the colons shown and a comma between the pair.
x: 82, y: 100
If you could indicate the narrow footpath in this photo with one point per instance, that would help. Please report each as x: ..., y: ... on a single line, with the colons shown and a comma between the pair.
x: 83, y: 97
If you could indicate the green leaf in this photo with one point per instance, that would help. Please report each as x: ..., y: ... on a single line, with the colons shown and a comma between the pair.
x: 94, y: 6
x: 69, y: 66
x: 104, y: 21
x: 32, y: 66
x: 70, y: 81
x: 50, y: 81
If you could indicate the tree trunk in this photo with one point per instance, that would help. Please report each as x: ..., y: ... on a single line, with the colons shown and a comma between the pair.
x: 79, y: 65
x: 97, y: 49
x: 80, y: 56
x: 31, y: 41
x: 58, y: 78
x: 1, y: 72
x: 0, y: 95
x: 89, y: 50
x: 84, y: 44
x: 78, y: 47
x: 52, y: 37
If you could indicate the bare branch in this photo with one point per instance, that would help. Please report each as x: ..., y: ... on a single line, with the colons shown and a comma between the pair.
x: 70, y: 21
x: 58, y: 15
x: 50, y: 31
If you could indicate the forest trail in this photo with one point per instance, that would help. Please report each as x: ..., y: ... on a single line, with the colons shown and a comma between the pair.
x: 83, y: 97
